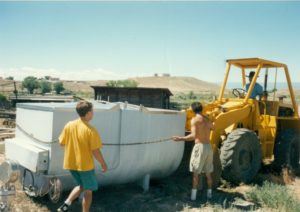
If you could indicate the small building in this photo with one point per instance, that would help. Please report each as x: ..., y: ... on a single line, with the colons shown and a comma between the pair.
x: 149, y: 97
x: 166, y: 75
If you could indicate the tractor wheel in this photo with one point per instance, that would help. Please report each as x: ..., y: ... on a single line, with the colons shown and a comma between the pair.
x: 241, y: 156
x: 287, y: 148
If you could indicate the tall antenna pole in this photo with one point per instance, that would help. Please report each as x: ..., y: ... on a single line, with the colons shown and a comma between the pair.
x: 16, y: 91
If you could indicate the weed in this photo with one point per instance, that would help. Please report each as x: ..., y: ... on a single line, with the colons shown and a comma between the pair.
x: 273, y: 196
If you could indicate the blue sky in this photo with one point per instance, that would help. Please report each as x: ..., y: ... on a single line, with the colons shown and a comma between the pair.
x: 117, y: 40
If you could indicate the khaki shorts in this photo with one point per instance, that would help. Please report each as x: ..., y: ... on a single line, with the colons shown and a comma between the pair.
x: 202, y: 159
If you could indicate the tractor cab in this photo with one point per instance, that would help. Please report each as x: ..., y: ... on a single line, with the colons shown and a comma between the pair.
x: 260, y: 80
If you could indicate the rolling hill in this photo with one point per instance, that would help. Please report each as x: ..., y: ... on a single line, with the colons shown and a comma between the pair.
x: 178, y: 84
x: 174, y: 84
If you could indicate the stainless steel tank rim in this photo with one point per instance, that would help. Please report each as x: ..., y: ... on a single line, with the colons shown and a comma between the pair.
x: 104, y: 144
x: 31, y: 136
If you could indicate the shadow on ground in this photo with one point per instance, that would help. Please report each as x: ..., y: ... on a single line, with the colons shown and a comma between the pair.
x: 168, y: 194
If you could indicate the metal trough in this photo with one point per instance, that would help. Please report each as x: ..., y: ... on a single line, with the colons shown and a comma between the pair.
x: 137, y: 144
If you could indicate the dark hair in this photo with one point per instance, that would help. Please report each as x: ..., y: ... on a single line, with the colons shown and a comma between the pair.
x: 83, y: 107
x: 196, y: 107
x: 251, y: 74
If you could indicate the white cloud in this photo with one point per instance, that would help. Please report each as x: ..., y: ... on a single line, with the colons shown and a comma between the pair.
x: 95, y: 74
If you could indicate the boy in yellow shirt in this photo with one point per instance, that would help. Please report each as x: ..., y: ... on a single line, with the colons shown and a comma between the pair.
x: 81, y: 143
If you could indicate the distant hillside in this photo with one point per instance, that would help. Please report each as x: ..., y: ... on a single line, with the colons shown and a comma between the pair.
x: 177, y: 84
x: 82, y: 86
x: 7, y: 86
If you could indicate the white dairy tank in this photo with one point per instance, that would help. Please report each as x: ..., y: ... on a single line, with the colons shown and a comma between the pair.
x: 137, y: 144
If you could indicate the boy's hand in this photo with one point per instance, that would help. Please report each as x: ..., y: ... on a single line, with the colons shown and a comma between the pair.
x: 176, y: 138
x: 104, y: 167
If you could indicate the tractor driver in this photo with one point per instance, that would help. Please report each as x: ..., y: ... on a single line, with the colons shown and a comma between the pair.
x: 257, y: 89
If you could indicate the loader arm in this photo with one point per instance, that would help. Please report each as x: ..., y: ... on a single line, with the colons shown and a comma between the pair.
x: 224, y: 120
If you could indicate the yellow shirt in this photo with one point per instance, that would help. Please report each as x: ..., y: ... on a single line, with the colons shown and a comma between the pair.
x: 79, y: 139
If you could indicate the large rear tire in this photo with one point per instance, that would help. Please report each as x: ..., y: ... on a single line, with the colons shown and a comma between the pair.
x: 241, y: 156
x: 287, y: 149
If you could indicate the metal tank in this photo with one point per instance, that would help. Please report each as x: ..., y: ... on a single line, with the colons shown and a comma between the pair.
x: 137, y: 144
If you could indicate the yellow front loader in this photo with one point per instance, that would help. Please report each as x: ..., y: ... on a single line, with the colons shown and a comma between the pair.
x: 248, y: 131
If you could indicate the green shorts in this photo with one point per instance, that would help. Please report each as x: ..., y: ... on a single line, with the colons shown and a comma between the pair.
x: 86, y: 179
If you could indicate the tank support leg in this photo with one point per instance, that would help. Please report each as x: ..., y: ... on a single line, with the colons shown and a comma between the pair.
x: 145, y: 182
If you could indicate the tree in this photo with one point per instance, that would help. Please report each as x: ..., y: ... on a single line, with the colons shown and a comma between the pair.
x: 191, y: 95
x: 2, y: 98
x: 45, y: 86
x: 9, y: 78
x: 30, y: 83
x: 58, y: 87
x: 122, y: 83
x: 111, y: 83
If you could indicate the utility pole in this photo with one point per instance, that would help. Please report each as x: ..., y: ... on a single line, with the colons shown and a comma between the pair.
x: 16, y: 91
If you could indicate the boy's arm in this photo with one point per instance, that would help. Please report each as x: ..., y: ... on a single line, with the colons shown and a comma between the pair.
x: 189, y: 137
x: 97, y: 154
x: 62, y: 139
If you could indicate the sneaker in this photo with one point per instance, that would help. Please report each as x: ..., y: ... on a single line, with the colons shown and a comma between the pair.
x: 209, y: 195
x: 194, y: 194
x: 63, y: 207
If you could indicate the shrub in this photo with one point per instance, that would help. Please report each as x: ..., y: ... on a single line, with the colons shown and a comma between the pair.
x: 58, y: 87
x: 45, y: 86
x: 273, y: 196
x: 122, y: 83
x: 2, y: 97
x: 30, y: 83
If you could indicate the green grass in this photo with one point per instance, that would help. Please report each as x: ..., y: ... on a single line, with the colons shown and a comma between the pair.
x: 85, y: 95
x: 271, y: 195
x: 184, y: 100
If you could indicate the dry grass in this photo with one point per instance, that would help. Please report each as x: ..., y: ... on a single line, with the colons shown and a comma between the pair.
x: 295, y: 188
x: 178, y: 84
x: 274, y: 196
x: 169, y: 194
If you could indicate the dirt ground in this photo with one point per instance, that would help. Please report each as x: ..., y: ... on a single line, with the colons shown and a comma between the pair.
x: 168, y: 194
